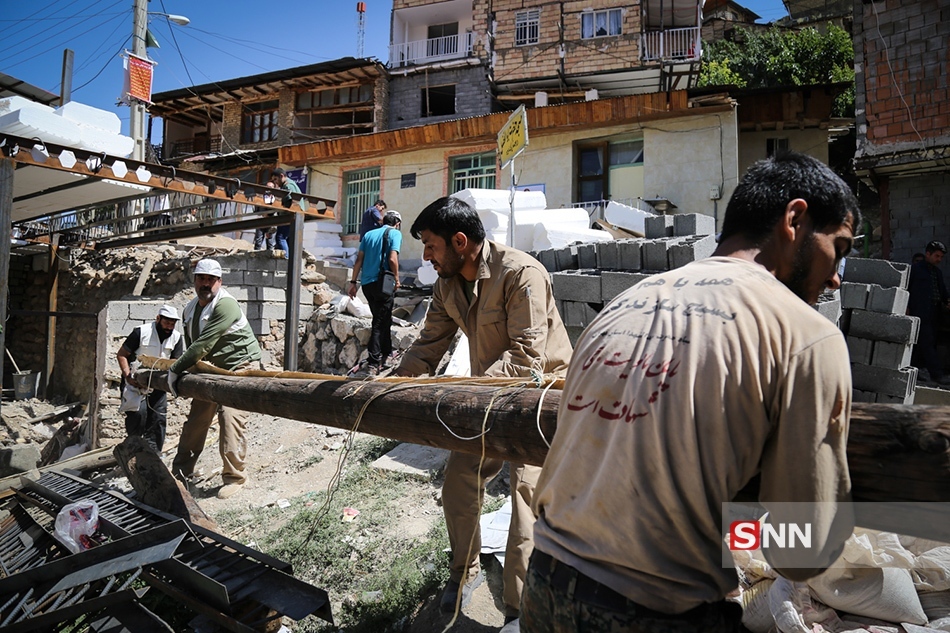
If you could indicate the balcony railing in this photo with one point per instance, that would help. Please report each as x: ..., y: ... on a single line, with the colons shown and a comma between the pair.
x: 189, y: 146
x: 431, y: 50
x: 671, y: 44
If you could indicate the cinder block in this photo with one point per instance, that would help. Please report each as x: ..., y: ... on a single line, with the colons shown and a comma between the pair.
x: 863, y: 396
x: 860, y: 350
x: 144, y: 310
x: 118, y: 311
x: 608, y: 255
x: 548, y: 259
x: 888, y: 300
x: 306, y: 311
x: 658, y: 226
x: 239, y: 293
x: 265, y: 293
x: 691, y: 250
x: 577, y: 285
x: 693, y: 224
x: 19, y: 458
x: 253, y: 310
x: 566, y: 258
x: 892, y: 355
x: 630, y: 254
x: 844, y: 323
x: 260, y: 327
x: 876, y: 271
x: 579, y: 314
x: 854, y: 296
x: 896, y: 328
x: 276, y: 311
x: 123, y: 328
x: 881, y: 380
x: 886, y: 399
x: 612, y: 283
x: 587, y: 256
x: 655, y: 254
x: 830, y: 308
x: 232, y: 277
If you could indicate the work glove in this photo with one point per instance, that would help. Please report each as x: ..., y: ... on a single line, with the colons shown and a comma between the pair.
x: 172, y: 379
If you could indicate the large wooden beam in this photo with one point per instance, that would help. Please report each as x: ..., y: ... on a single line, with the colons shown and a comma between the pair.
x: 896, y: 453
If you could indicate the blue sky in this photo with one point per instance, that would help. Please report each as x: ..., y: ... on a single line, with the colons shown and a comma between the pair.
x: 226, y: 39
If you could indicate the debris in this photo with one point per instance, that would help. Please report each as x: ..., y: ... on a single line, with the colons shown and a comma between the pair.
x: 283, y: 503
x: 350, y: 514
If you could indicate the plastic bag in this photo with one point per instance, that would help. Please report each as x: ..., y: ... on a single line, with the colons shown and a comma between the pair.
x: 131, y: 398
x: 76, y: 523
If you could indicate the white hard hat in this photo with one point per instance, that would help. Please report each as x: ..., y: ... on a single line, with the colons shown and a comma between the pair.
x: 208, y: 267
x: 169, y: 312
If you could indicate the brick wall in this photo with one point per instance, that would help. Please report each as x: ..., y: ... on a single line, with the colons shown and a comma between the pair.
x: 580, y: 55
x: 472, y: 95
x: 902, y: 80
x: 918, y: 213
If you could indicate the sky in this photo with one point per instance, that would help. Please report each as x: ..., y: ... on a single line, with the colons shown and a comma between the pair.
x: 226, y: 39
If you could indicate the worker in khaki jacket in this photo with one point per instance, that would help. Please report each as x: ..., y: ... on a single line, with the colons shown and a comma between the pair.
x: 502, y: 301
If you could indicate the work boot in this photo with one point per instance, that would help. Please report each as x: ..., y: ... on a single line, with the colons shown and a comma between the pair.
x: 229, y: 490
x: 451, y: 593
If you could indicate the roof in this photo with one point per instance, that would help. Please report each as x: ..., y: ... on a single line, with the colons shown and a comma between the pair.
x: 329, y: 74
x: 13, y: 87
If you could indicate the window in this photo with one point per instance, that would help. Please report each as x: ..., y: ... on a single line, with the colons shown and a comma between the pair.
x: 774, y: 146
x: 591, y: 175
x: 334, y: 96
x: 626, y: 153
x: 443, y: 39
x: 361, y: 190
x: 526, y: 27
x: 476, y: 171
x: 260, y: 122
x: 438, y: 101
x: 601, y: 23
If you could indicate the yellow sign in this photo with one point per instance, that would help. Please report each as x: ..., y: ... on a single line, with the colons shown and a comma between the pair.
x: 513, y: 137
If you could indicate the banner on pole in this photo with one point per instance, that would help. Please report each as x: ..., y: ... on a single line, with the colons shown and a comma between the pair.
x: 138, y: 79
x: 513, y: 137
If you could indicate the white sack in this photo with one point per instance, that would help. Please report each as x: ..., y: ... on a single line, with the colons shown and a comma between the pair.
x: 886, y: 593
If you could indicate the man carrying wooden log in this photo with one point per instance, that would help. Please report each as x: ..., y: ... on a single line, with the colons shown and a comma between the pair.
x: 684, y: 388
x: 217, y: 332
x: 145, y: 410
x: 501, y: 299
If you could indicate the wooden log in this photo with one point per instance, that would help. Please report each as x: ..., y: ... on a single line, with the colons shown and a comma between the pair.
x: 895, y: 452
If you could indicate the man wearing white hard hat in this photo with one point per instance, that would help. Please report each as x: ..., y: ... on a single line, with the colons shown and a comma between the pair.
x: 216, y: 332
x: 144, y: 409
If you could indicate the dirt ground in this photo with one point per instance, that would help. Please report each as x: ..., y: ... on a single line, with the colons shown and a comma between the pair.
x: 282, y: 464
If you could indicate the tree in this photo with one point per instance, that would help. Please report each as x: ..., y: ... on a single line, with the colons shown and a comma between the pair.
x: 779, y: 57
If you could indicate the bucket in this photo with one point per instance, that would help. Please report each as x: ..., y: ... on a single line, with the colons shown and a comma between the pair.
x: 25, y: 384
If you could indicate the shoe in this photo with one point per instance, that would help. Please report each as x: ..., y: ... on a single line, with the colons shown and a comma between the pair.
x: 451, y: 593
x: 229, y: 490
x: 512, y: 625
x: 372, y: 371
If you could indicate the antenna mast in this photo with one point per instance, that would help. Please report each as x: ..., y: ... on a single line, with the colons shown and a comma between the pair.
x: 360, y: 27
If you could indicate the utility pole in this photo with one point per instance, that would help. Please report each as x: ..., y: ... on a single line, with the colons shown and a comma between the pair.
x: 136, y: 107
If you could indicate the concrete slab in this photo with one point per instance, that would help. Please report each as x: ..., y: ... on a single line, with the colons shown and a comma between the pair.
x: 422, y: 462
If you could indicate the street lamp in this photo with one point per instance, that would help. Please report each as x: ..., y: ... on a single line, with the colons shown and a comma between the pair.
x: 140, y: 15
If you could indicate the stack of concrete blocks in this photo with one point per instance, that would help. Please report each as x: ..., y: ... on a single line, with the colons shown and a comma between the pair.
x: 259, y: 283
x: 880, y: 335
x: 588, y: 276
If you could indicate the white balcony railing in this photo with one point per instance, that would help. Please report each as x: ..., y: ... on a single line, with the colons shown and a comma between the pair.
x: 431, y: 50
x: 671, y: 44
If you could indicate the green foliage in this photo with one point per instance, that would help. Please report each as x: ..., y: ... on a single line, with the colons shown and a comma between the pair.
x: 780, y: 57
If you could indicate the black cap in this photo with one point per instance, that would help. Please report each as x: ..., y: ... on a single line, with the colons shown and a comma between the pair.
x: 935, y: 246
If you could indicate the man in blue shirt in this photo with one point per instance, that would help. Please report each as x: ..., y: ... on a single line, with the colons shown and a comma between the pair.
x: 379, y: 249
x: 372, y: 217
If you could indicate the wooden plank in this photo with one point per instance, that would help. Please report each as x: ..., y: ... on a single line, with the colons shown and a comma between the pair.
x: 7, y: 167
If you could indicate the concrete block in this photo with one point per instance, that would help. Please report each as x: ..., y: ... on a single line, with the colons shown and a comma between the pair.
x: 577, y: 285
x: 931, y: 395
x: 579, y: 314
x: 276, y: 311
x: 886, y: 399
x: 608, y: 255
x: 693, y: 224
x: 260, y: 327
x: 877, y: 271
x: 144, y: 310
x: 587, y: 256
x: 253, y: 310
x: 239, y: 293
x: 19, y: 458
x: 630, y: 254
x: 574, y: 333
x: 860, y: 350
x: 232, y: 277
x: 306, y: 311
x: 548, y: 259
x: 830, y: 309
x: 612, y: 282
x: 655, y: 254
x: 266, y: 293
x: 882, y: 380
x: 691, y: 250
x: 888, y: 300
x: 258, y: 278
x: 854, y: 296
x: 118, y: 311
x: 896, y: 328
x: 892, y: 355
x: 863, y: 396
x: 566, y: 258
x: 844, y: 323
x: 658, y: 226
x: 123, y: 328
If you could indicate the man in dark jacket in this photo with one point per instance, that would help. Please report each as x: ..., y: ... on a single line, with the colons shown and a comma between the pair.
x: 928, y: 299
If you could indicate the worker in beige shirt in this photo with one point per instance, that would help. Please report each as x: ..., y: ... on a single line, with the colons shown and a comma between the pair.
x: 683, y: 389
x: 502, y: 301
